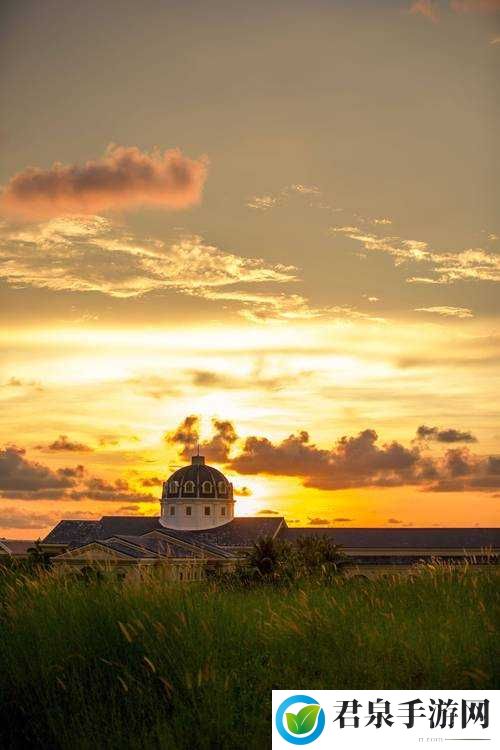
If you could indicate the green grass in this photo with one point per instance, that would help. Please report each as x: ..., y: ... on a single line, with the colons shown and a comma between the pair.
x: 149, y: 665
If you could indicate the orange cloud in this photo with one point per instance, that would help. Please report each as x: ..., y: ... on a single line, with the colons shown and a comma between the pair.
x: 475, y: 6
x: 124, y: 178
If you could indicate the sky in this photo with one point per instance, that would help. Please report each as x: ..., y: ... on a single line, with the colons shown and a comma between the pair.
x: 270, y: 228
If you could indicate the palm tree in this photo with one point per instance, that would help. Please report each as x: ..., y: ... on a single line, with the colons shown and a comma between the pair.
x: 265, y: 556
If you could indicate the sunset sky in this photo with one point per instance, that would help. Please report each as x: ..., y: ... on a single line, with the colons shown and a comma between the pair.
x: 270, y: 227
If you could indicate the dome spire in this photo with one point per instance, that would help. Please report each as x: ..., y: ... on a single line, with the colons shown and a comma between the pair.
x: 198, y: 459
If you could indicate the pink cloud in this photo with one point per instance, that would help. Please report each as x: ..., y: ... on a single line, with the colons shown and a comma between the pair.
x: 426, y: 8
x: 124, y: 178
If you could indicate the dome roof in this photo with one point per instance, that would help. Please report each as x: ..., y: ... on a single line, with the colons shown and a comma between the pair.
x: 197, y: 481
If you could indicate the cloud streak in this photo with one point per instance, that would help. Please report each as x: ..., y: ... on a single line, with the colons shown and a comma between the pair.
x: 447, y: 311
x: 90, y: 254
x: 125, y: 178
x: 431, y: 9
x: 474, y: 264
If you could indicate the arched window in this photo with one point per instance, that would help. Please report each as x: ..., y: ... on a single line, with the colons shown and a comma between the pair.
x: 222, y: 488
x: 207, y: 510
x: 172, y: 510
x: 189, y: 486
x: 188, y: 510
x: 223, y: 510
x: 206, y: 487
x: 174, y: 486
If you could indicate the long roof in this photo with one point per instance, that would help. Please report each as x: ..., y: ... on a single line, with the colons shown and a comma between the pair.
x: 244, y: 531
x: 416, y: 538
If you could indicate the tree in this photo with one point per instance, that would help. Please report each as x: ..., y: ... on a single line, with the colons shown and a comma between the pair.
x: 276, y: 560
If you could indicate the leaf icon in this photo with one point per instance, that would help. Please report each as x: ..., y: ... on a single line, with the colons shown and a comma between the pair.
x: 303, y: 721
x: 292, y: 723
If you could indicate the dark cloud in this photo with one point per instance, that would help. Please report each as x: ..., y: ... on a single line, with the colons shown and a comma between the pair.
x: 360, y: 461
x: 294, y: 456
x: 242, y: 491
x: 18, y: 473
x: 216, y: 449
x: 458, y: 462
x: 72, y: 471
x: 33, y: 494
x: 208, y: 379
x: 204, y: 378
x: 318, y: 522
x: 151, y: 482
x: 353, y: 462
x: 105, y: 440
x: 18, y: 383
x: 124, y: 178
x: 460, y: 470
x: 96, y: 488
x: 393, y: 520
x: 127, y: 509
x: 21, y: 479
x: 187, y: 435
x: 267, y: 513
x: 342, y: 520
x: 63, y: 443
x: 450, y: 435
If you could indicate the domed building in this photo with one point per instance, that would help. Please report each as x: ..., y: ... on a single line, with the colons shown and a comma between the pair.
x: 197, y: 533
x: 196, y: 497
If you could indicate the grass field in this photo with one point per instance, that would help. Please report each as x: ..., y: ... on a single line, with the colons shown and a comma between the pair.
x: 145, y: 665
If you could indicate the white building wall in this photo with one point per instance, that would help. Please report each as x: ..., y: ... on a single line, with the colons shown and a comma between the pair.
x: 197, y: 521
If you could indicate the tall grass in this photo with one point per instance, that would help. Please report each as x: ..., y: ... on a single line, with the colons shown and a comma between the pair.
x: 148, y: 665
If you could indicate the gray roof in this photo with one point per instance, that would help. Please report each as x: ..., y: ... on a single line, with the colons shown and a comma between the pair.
x: 73, y: 533
x: 191, y: 537
x: 418, y: 538
x: 164, y: 547
x: 16, y: 547
x: 138, y: 553
x: 244, y: 531
x: 240, y: 532
x: 77, y: 533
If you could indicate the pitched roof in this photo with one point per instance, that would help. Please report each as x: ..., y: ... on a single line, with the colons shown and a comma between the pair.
x: 163, y: 547
x: 73, y: 533
x: 190, y: 537
x: 128, y: 525
x: 77, y: 533
x: 416, y: 538
x: 126, y: 549
x: 242, y: 531
x: 16, y: 547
